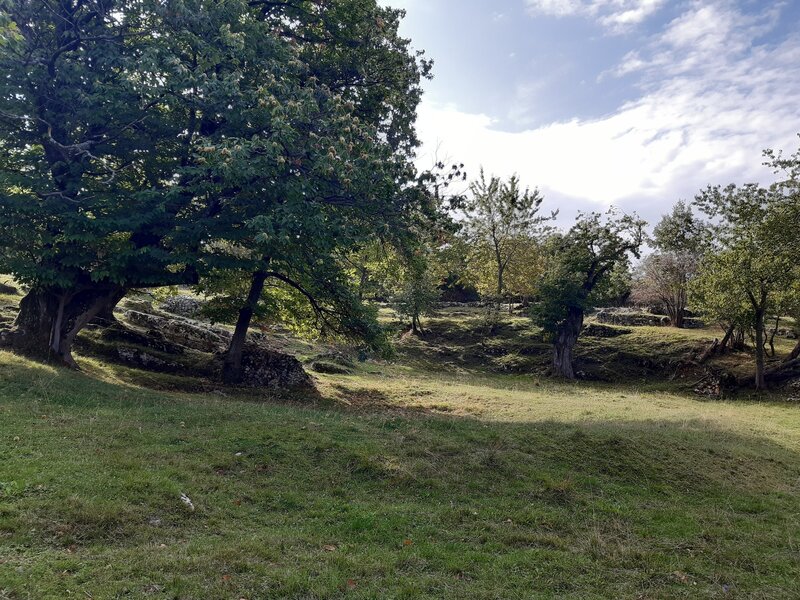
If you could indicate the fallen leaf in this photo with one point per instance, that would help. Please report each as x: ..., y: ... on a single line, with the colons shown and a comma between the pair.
x: 407, y: 542
x: 226, y: 578
x: 351, y: 584
x: 329, y: 548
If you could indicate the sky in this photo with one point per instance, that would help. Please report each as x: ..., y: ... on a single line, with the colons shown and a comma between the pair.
x: 628, y: 103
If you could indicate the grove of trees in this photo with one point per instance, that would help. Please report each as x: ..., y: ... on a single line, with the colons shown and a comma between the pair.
x: 264, y: 153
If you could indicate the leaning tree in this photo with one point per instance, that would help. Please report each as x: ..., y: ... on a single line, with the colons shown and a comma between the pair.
x: 149, y: 143
x: 579, y: 276
x: 755, y: 259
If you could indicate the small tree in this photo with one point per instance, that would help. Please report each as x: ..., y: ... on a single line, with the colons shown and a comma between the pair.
x: 417, y: 294
x: 663, y: 277
x: 500, y: 217
x: 681, y: 232
x: 662, y: 280
x: 578, y: 277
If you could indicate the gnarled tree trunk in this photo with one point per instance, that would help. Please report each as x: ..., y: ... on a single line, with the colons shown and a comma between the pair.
x: 727, y: 339
x: 566, y: 338
x: 50, y: 319
x: 105, y: 316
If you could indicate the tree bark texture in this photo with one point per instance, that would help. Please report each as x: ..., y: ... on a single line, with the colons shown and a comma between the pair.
x: 49, y: 320
x: 759, y: 326
x: 566, y: 338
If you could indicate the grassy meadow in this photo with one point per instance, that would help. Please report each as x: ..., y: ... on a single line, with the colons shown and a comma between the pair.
x: 429, y: 476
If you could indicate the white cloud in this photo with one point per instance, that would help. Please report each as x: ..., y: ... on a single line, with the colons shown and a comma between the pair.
x: 614, y: 14
x: 712, y: 100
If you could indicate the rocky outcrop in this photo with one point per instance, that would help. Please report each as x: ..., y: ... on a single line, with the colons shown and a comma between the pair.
x: 631, y: 318
x: 265, y: 368
x: 329, y: 368
x: 604, y: 331
x: 183, y: 306
x: 141, y: 358
x: 184, y: 332
x: 636, y: 319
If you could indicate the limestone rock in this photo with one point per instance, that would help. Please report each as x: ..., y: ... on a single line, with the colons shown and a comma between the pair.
x: 604, y: 331
x: 140, y: 358
x: 182, y: 331
x: 183, y: 306
x: 329, y: 368
x: 264, y: 367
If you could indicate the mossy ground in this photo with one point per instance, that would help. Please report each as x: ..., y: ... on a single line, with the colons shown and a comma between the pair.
x: 431, y: 476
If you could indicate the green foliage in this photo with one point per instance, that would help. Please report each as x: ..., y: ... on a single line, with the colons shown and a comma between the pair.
x: 755, y: 258
x: 417, y: 293
x: 681, y: 232
x: 586, y: 266
x: 143, y: 144
x: 662, y: 280
x: 749, y: 266
x: 503, y: 227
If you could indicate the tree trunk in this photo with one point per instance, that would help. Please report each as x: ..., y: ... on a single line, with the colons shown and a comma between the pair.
x: 795, y: 353
x: 416, y: 328
x: 726, y: 340
x: 232, y: 367
x: 737, y: 341
x: 772, y: 335
x: 49, y: 320
x: 105, y: 317
x: 566, y: 338
x: 759, y: 323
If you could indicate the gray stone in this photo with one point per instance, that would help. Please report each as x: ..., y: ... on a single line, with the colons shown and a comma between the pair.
x: 604, y: 331
x: 140, y: 358
x: 329, y: 368
x: 184, y: 306
x: 185, y: 332
x: 264, y: 367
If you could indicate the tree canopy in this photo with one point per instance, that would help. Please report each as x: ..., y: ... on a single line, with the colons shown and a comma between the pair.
x: 148, y: 144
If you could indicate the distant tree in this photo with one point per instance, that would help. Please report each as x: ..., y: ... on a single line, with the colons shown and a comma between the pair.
x: 787, y: 212
x: 417, y: 293
x: 501, y: 218
x: 523, y: 274
x: 681, y: 232
x: 662, y: 279
x: 579, y: 277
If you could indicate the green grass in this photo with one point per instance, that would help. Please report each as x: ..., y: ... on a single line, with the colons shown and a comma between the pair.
x: 397, y: 482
